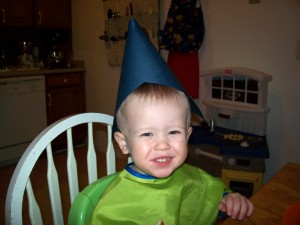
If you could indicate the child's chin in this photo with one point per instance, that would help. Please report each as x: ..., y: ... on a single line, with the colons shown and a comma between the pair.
x: 162, y: 175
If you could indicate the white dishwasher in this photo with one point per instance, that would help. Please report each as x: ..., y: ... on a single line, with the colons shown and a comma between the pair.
x: 22, y: 115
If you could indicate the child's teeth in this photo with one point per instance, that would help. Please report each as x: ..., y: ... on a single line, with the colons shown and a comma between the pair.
x: 162, y: 159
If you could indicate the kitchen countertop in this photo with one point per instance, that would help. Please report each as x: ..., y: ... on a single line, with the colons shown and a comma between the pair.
x: 20, y: 72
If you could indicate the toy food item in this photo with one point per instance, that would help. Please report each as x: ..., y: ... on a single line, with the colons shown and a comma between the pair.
x: 234, y: 137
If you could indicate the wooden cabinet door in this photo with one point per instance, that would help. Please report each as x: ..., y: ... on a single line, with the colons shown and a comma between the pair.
x: 62, y: 102
x: 16, y: 12
x: 52, y: 13
x: 66, y: 96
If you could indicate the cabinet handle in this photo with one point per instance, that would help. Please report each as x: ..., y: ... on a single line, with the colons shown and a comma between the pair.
x: 40, y: 17
x: 65, y: 80
x: 3, y: 16
x: 50, y: 100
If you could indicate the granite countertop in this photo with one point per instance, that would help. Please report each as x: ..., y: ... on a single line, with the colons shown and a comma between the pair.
x: 21, y: 72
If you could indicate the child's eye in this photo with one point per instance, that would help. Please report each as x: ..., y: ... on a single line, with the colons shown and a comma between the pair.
x: 174, y: 132
x: 147, y: 134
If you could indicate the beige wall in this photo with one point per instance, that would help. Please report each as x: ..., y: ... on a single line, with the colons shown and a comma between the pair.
x: 261, y: 36
x: 101, y: 79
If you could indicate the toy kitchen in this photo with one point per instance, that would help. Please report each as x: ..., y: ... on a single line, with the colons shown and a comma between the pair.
x: 233, y: 145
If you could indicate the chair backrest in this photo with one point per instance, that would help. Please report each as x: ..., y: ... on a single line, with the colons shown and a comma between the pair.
x: 21, y: 183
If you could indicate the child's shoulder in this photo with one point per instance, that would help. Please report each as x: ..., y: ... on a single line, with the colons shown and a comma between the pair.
x: 192, y: 170
x: 195, y: 173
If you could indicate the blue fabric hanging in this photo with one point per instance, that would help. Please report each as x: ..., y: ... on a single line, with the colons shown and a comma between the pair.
x: 184, y: 28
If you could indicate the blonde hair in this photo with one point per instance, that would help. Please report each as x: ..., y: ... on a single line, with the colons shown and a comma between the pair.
x: 153, y: 93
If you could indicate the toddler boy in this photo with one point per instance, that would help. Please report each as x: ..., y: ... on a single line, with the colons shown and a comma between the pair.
x: 153, y: 126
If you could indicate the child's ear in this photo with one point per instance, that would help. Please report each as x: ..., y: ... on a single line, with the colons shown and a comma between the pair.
x: 120, y: 139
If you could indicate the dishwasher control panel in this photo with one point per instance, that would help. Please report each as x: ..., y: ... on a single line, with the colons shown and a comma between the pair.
x: 16, y: 85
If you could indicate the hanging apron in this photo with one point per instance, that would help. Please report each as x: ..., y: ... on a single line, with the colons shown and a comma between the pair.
x: 183, y: 35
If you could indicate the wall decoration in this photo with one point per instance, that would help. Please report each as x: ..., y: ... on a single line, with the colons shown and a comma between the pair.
x: 118, y: 13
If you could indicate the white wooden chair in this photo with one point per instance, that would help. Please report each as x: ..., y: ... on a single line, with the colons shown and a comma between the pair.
x: 20, y: 181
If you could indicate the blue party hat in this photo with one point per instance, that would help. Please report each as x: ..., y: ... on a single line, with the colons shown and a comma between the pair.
x: 143, y: 64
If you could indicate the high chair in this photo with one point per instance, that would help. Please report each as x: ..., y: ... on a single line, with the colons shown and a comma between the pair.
x: 21, y: 183
x: 86, y: 201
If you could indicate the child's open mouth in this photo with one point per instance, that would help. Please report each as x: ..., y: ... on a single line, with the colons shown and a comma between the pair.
x: 163, y: 161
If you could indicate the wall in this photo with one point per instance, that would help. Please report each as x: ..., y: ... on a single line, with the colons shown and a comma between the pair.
x: 261, y: 36
x: 101, y: 79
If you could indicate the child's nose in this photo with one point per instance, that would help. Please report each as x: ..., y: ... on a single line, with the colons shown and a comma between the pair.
x: 162, y: 144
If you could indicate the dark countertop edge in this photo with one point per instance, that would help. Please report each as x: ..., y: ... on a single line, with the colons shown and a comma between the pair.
x: 78, y: 67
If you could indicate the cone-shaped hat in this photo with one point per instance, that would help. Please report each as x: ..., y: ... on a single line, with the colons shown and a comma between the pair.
x: 143, y: 64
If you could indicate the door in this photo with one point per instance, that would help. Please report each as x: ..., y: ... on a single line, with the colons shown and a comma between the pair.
x: 62, y: 102
x: 16, y: 12
x: 22, y: 115
x: 52, y: 13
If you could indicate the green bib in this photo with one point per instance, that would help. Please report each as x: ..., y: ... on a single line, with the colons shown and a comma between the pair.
x: 189, y: 196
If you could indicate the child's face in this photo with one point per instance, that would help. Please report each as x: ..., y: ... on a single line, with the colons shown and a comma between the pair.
x: 156, y: 136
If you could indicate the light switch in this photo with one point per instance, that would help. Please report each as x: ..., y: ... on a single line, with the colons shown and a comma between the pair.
x: 298, y: 50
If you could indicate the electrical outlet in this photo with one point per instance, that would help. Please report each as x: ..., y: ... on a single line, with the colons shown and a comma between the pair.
x: 254, y: 1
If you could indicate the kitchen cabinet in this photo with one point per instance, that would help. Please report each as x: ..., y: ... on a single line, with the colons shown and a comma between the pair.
x: 65, y: 94
x: 52, y: 13
x: 16, y: 12
x: 38, y: 13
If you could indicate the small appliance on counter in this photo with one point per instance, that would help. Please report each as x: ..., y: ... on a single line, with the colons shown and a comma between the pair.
x: 59, y: 55
x: 3, y: 56
x: 26, y: 57
x: 6, y: 54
